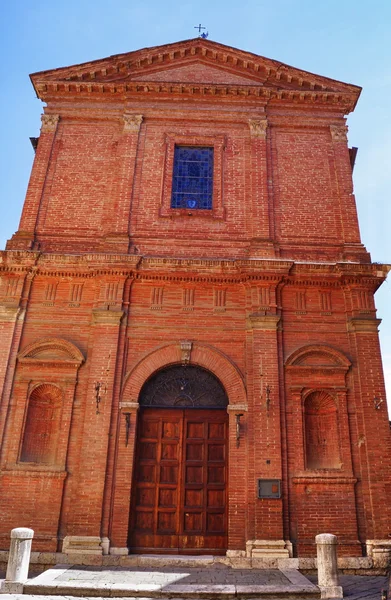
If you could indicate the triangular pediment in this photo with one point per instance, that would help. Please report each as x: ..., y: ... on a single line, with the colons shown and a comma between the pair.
x: 195, y: 61
x: 196, y: 72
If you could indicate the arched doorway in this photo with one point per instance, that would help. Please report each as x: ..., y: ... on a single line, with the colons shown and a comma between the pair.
x: 179, y: 492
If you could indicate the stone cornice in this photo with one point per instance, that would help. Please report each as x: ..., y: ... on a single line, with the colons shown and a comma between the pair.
x: 243, y: 271
x: 56, y: 89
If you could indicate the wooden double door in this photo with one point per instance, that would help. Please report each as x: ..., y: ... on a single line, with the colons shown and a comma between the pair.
x: 179, y: 492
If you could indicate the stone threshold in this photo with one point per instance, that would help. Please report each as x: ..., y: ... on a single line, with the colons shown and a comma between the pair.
x: 63, y: 581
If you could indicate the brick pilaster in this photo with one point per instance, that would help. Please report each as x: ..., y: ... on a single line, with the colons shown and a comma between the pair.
x: 93, y: 457
x: 24, y: 238
x: 264, y: 416
x: 118, y: 206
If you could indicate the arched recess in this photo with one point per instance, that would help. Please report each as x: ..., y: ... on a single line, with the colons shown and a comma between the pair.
x: 45, y: 365
x: 201, y: 355
x: 316, y: 385
x: 321, y: 431
x: 49, y: 349
x: 317, y: 355
x: 41, y: 429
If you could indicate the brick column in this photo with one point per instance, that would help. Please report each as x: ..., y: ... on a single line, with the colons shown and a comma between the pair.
x: 116, y: 225
x: 259, y: 187
x: 85, y: 529
x: 24, y: 237
x: 265, y: 436
x: 373, y: 426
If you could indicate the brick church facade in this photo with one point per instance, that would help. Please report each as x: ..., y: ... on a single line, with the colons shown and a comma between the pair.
x: 189, y: 343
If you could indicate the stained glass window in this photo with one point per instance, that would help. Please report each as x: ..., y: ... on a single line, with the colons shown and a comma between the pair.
x: 192, y: 185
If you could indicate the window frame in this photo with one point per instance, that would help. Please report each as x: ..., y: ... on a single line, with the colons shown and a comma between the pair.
x: 218, y: 144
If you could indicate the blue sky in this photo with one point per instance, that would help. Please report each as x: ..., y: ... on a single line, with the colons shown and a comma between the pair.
x: 345, y: 39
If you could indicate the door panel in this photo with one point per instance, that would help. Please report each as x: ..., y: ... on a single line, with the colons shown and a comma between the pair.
x: 179, y: 491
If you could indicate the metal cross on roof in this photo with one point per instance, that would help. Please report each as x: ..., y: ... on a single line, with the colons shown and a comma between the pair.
x: 199, y: 27
x: 202, y: 35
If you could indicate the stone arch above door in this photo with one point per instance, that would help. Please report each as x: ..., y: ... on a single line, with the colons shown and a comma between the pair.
x: 196, y: 354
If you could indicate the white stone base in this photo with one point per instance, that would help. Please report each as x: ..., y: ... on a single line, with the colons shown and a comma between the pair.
x: 11, y: 587
x: 380, y: 552
x: 334, y: 592
x: 267, y: 549
x: 80, y: 544
x: 119, y: 551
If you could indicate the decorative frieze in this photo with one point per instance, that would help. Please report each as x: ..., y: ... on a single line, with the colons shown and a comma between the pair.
x: 111, y: 292
x: 157, y: 298
x: 219, y: 299
x: 75, y: 294
x: 188, y: 299
x: 300, y: 302
x: 50, y: 291
x: 325, y: 301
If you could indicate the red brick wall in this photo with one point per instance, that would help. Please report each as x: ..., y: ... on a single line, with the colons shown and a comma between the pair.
x: 97, y: 209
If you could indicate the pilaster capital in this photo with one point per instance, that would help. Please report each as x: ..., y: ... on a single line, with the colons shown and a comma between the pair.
x: 9, y: 313
x: 132, y: 123
x: 339, y: 133
x: 49, y: 123
x: 106, y: 317
x: 258, y: 127
x: 237, y: 408
x: 263, y: 322
x: 129, y: 406
x: 364, y: 325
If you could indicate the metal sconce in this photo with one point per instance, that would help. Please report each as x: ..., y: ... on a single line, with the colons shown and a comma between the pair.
x: 100, y: 389
x: 377, y: 403
x: 268, y: 390
x: 237, y: 417
x: 127, y: 427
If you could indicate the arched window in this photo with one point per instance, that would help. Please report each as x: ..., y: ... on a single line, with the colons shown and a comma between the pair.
x: 42, y: 425
x: 321, y: 432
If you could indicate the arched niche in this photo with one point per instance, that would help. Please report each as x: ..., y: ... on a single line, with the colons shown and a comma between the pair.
x: 321, y: 431
x: 42, y: 425
x: 44, y: 390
